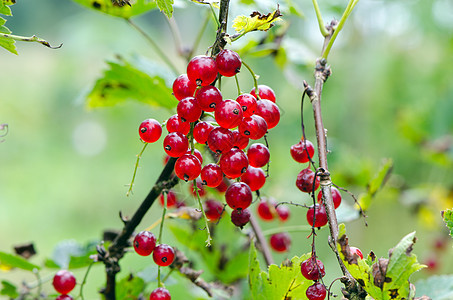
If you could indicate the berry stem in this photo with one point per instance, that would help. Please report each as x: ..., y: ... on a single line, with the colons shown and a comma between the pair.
x: 38, y: 278
x: 209, y: 239
x: 84, y: 281
x: 199, y: 36
x: 162, y: 219
x: 237, y: 84
x: 214, y: 15
x: 322, y: 27
x: 261, y: 241
x: 255, y: 81
x: 135, y: 170
x: 294, y: 228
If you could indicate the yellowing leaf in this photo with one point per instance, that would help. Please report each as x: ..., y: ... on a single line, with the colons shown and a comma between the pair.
x: 256, y: 21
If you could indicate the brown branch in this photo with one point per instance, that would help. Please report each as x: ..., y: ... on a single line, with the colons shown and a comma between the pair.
x: 261, y: 241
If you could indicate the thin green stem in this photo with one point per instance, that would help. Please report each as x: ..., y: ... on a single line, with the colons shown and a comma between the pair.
x: 164, y: 211
x: 159, y: 282
x: 168, y: 275
x: 237, y: 84
x: 255, y: 81
x: 214, y: 15
x: 33, y: 38
x: 322, y: 27
x: 135, y: 170
x: 209, y: 239
x: 85, y: 280
x: 295, y: 228
x: 199, y: 36
x: 38, y: 278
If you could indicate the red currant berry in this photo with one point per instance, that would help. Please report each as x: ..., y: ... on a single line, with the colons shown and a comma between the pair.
x: 64, y: 297
x: 223, y: 186
x: 144, y: 243
x: 317, y: 291
x: 248, y: 104
x: 171, y: 199
x: 265, y: 92
x: 213, y: 210
x: 176, y: 144
x: 183, y: 87
x: 187, y: 167
x: 234, y: 163
x: 238, y: 195
x: 355, y: 250
x: 269, y: 111
x: 265, y: 210
x: 305, y: 181
x: 280, y: 242
x: 208, y: 97
x: 228, y: 114
x: 163, y: 255
x: 240, y: 217
x: 200, y: 187
x: 282, y: 212
x: 64, y: 281
x: 258, y: 155
x: 202, y: 70
x: 196, y: 153
x: 201, y: 131
x: 228, y: 63
x: 150, y: 130
x: 312, y: 269
x: 320, y: 214
x: 299, y: 151
x: 175, y: 124
x: 188, y: 109
x: 211, y: 175
x: 160, y: 294
x: 239, y: 141
x: 336, y: 197
x: 254, y: 127
x: 254, y: 177
x: 220, y: 140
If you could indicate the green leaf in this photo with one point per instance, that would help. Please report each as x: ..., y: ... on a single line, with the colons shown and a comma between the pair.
x: 447, y: 215
x: 9, y: 289
x: 70, y: 254
x: 130, y: 287
x: 137, y: 7
x: 123, y: 82
x: 165, y: 6
x: 437, y: 287
x: 256, y: 21
x: 294, y: 9
x: 6, y: 42
x: 376, y: 183
x: 16, y: 261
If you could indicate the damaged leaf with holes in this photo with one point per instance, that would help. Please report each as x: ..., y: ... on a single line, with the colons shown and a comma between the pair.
x: 256, y: 21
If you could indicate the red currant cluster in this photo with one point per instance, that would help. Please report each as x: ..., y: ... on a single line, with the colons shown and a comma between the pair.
x: 313, y: 269
x: 64, y: 282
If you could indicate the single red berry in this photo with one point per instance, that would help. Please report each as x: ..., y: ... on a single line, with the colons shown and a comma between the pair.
x: 240, y: 217
x: 160, y: 294
x: 239, y: 141
x: 208, y: 97
x: 213, y: 210
x: 223, y: 186
x: 187, y: 167
x: 64, y: 297
x: 171, y: 199
x: 228, y: 114
x: 254, y: 177
x: 258, y: 155
x: 283, y: 212
x: 196, y: 153
x: 312, y: 269
x: 336, y: 197
x: 175, y: 124
x: 201, y: 131
x: 248, y: 104
x: 269, y: 111
x: 355, y: 250
x: 144, y: 243
x: 299, y: 151
x: 265, y: 92
x: 64, y: 281
x: 228, y: 63
x: 238, y: 195
x: 211, y: 175
x: 188, y: 109
x: 280, y: 242
x: 150, y: 130
x: 320, y: 214
x: 305, y: 181
x: 265, y: 210
x: 234, y: 163
x: 317, y: 291
x: 180, y: 204
x: 202, y: 70
x: 183, y: 87
x: 176, y: 144
x: 254, y: 127
x: 431, y: 263
x: 163, y: 255
x: 200, y: 187
x: 220, y: 140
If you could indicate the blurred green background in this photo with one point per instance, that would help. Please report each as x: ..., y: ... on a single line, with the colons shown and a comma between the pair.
x: 64, y: 168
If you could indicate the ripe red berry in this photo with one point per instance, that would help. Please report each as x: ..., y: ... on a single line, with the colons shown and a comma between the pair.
x: 64, y: 281
x: 208, y: 97
x: 150, y: 130
x: 336, y: 197
x: 175, y: 124
x: 269, y: 111
x: 248, y: 104
x: 312, y: 269
x: 355, y: 250
x: 317, y: 291
x: 238, y: 195
x: 223, y: 186
x: 160, y: 294
x: 220, y: 140
x: 282, y: 212
x: 202, y: 70
x: 176, y: 144
x: 321, y: 215
x: 188, y: 109
x: 234, y: 163
x: 228, y: 63
x: 258, y: 155
x: 200, y: 187
x: 254, y: 177
x: 239, y: 141
x: 299, y: 151
x: 144, y: 243
x: 64, y: 297
x: 305, y: 181
x: 254, y: 127
x: 213, y: 210
x: 280, y: 242
x: 163, y: 255
x: 211, y: 175
x: 171, y: 199
x: 240, y: 217
x: 228, y: 114
x: 265, y: 92
x: 188, y: 167
x: 183, y: 87
x: 196, y: 153
x: 201, y: 131
x: 265, y: 210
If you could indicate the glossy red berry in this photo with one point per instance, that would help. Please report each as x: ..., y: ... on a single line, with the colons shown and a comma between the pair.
x: 269, y: 111
x: 144, y: 243
x: 254, y: 127
x: 317, y: 291
x: 321, y: 215
x: 200, y: 187
x: 160, y: 294
x: 228, y: 63
x: 234, y: 163
x: 220, y: 140
x: 336, y: 197
x: 208, y: 97
x: 305, y: 181
x: 265, y: 92
x: 355, y: 250
x: 258, y: 155
x: 283, y: 213
x: 312, y: 269
x: 240, y: 217
x: 175, y: 124
x: 213, y: 210
x: 248, y: 104
x: 163, y: 255
x: 211, y: 175
x: 171, y: 199
x: 196, y: 153
x: 188, y: 167
x: 228, y: 114
x: 64, y: 281
x: 64, y: 297
x: 176, y: 144
x: 202, y: 70
x: 238, y: 195
x: 183, y: 87
x: 150, y: 130
x: 299, y: 151
x: 223, y: 186
x: 265, y: 210
x: 239, y: 141
x: 201, y: 131
x: 254, y: 177
x: 280, y: 242
x: 188, y: 109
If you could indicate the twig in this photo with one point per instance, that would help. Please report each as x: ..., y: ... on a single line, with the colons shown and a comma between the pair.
x: 261, y: 241
x: 295, y: 228
x: 33, y: 38
x: 135, y: 170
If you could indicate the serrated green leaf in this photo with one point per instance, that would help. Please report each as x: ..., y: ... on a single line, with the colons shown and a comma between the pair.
x: 16, y: 261
x: 376, y: 183
x: 165, y: 6
x: 137, y: 7
x: 9, y: 289
x: 70, y: 254
x: 4, y: 7
x: 130, y: 287
x: 437, y: 287
x: 6, y: 42
x: 447, y: 215
x: 123, y: 82
x: 256, y: 21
